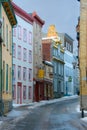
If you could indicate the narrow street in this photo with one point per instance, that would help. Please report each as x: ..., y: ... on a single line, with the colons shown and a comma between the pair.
x: 56, y: 116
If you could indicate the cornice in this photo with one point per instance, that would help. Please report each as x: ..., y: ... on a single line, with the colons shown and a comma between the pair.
x: 38, y: 19
x: 20, y: 12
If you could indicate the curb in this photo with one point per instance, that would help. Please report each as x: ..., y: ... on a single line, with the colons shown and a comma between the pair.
x: 44, y: 102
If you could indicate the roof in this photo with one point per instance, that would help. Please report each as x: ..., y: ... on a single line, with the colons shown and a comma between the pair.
x: 9, y: 11
x: 67, y: 36
x: 23, y: 14
x: 37, y: 18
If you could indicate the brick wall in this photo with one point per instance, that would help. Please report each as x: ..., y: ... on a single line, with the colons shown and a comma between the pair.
x: 46, y: 52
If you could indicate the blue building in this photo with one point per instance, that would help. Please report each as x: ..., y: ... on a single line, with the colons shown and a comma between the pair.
x: 68, y: 67
x: 54, y: 51
x: 58, y: 62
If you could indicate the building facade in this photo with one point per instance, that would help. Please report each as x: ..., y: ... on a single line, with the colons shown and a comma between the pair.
x: 83, y: 55
x: 53, y: 52
x: 22, y: 57
x: 8, y: 22
x: 68, y: 67
x: 37, y: 57
x: 76, y: 75
x: 48, y: 80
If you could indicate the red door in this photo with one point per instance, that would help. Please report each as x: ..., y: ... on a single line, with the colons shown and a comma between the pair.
x: 36, y: 92
x: 41, y: 91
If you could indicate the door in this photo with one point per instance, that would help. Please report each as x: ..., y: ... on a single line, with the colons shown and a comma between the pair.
x: 19, y: 93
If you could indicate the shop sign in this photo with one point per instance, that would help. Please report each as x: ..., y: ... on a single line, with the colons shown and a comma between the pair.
x: 40, y: 73
x: 70, y: 79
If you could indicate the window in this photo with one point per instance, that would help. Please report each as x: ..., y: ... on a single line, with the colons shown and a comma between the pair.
x: 55, y: 52
x: 10, y: 41
x: 7, y: 77
x: 30, y: 56
x: 14, y: 91
x: 3, y: 75
x: 19, y: 72
x: 30, y: 37
x: 19, y: 52
x: 14, y: 32
x: 70, y: 48
x: 19, y: 32
x: 7, y: 36
x: 24, y: 73
x: 14, y: 72
x: 24, y: 35
x: 55, y: 85
x: 59, y: 69
x: 59, y: 51
x: 24, y: 92
x: 55, y: 67
x: 24, y: 54
x: 14, y: 50
x: 30, y: 74
x: 3, y: 30
x: 10, y: 79
x: 30, y: 92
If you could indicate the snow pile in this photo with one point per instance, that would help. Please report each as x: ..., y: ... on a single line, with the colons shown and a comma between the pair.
x: 78, y: 110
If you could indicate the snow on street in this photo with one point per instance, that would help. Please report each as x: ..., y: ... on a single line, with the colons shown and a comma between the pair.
x: 17, y: 114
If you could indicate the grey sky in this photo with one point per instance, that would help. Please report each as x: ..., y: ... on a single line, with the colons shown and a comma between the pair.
x: 62, y: 13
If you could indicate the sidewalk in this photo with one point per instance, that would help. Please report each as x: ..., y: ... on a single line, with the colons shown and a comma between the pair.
x: 16, y: 114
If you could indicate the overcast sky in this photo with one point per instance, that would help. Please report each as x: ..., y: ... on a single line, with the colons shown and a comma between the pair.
x: 62, y: 13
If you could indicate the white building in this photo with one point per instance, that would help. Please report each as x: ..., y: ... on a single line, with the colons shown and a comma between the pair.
x: 22, y: 57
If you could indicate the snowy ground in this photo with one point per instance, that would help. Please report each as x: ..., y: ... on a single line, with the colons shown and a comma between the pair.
x: 78, y: 110
x: 36, y: 104
x: 16, y: 113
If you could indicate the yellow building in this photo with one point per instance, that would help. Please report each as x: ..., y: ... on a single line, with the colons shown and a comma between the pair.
x: 8, y: 19
x: 83, y: 55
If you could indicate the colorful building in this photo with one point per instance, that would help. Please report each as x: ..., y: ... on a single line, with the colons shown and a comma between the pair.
x: 22, y: 57
x: 82, y: 41
x: 48, y: 80
x: 67, y: 42
x: 53, y: 51
x: 38, y: 72
x: 8, y: 22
